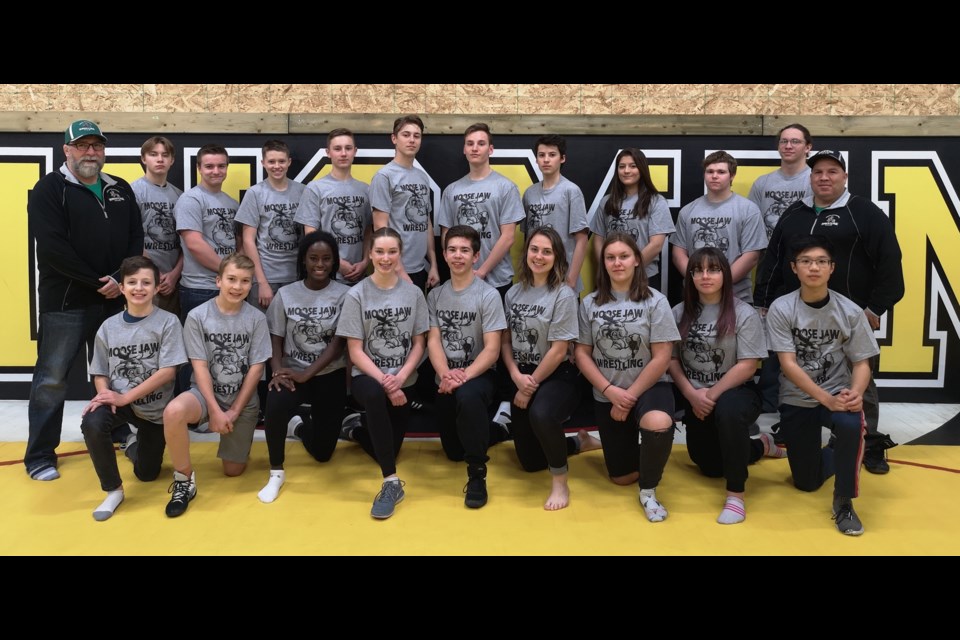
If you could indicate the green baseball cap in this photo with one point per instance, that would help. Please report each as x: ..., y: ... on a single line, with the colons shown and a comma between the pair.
x: 82, y: 128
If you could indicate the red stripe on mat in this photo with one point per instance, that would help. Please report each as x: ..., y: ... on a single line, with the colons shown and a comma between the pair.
x: 925, y: 466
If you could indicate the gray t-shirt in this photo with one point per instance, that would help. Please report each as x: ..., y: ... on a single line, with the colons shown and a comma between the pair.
x: 621, y: 333
x: 386, y: 320
x: 538, y: 316
x: 307, y: 322
x: 733, y: 226
x: 484, y: 205
x: 774, y: 192
x: 339, y: 207
x: 160, y: 240
x: 705, y: 358
x: 657, y: 221
x: 405, y: 195
x: 826, y: 341
x: 463, y: 317
x: 230, y: 344
x: 271, y: 213
x: 212, y: 214
x: 562, y: 208
x: 130, y: 352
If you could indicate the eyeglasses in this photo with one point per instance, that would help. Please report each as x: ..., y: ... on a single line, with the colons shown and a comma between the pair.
x: 697, y: 272
x: 796, y: 142
x: 807, y: 262
x: 83, y: 147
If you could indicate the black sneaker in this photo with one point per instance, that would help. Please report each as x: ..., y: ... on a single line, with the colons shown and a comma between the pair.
x: 350, y: 423
x: 875, y: 461
x: 848, y: 523
x: 476, y: 487
x: 183, y: 490
x: 875, y: 455
x: 777, y: 434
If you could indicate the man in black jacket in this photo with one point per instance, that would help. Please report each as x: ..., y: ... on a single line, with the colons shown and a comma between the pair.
x: 868, y: 267
x: 84, y: 223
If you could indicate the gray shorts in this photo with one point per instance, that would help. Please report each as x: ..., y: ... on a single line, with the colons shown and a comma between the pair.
x: 234, y: 446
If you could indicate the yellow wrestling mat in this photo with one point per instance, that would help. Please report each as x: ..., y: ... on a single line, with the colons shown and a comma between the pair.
x: 324, y: 509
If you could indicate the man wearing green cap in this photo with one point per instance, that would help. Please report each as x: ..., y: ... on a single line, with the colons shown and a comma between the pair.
x: 85, y: 223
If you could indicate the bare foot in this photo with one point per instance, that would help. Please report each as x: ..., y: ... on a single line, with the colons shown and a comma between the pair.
x: 559, y: 496
x: 587, y: 441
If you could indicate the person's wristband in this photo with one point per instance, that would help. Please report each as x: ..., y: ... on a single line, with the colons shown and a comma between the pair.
x: 609, y: 384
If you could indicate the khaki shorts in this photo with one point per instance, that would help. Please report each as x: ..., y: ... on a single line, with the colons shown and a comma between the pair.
x: 234, y: 446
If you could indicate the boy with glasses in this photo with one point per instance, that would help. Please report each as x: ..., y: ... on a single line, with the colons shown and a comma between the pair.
x: 868, y: 267
x: 824, y: 344
x: 774, y: 192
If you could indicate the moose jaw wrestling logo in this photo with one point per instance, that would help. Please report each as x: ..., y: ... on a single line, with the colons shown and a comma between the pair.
x: 309, y: 334
x: 387, y: 340
x: 613, y: 339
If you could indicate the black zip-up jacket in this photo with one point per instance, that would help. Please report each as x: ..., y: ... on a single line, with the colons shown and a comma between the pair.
x: 868, y: 263
x: 79, y: 240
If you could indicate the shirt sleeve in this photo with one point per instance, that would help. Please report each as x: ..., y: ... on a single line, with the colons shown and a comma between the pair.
x: 308, y: 213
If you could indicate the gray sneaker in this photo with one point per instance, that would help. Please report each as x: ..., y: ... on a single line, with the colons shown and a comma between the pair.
x: 132, y: 447
x: 848, y: 523
x: 386, y: 501
x: 350, y: 423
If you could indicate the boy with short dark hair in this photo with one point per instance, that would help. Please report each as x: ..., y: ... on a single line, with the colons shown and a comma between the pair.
x: 490, y: 203
x: 723, y: 220
x: 556, y: 202
x: 135, y: 359
x: 400, y: 197
x: 824, y: 344
x: 228, y: 344
x: 205, y: 217
x: 466, y: 319
x: 270, y: 235
x: 339, y: 204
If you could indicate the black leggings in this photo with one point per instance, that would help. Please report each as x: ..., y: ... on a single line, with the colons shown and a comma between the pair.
x: 622, y: 452
x: 538, y: 430
x: 721, y: 444
x: 386, y: 425
x: 462, y: 419
x: 326, y: 395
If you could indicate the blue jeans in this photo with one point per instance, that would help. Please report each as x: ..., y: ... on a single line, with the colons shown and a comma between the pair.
x: 61, y: 336
x: 190, y: 299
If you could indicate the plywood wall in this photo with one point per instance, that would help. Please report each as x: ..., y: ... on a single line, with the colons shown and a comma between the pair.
x: 500, y: 99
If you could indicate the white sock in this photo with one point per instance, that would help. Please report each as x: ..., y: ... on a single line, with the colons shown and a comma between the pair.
x: 652, y: 508
x: 734, y: 511
x: 108, y: 506
x: 292, y: 425
x: 503, y: 414
x: 272, y: 489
